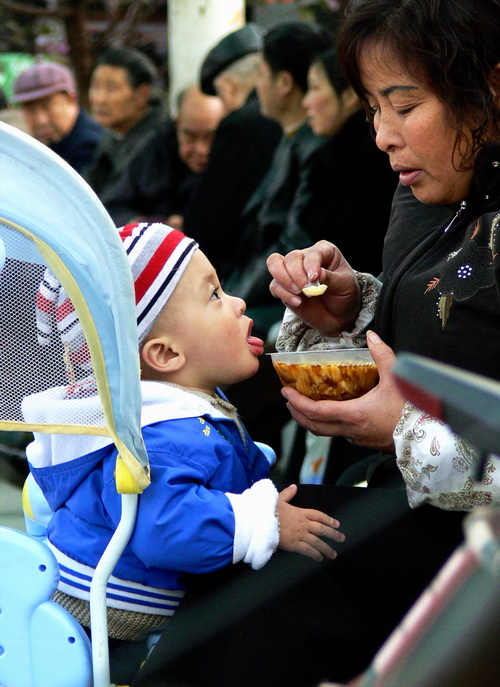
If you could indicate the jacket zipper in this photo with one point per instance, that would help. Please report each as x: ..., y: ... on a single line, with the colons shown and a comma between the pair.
x: 460, y: 210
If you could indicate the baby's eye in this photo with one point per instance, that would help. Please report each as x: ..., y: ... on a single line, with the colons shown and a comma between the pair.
x: 215, y: 295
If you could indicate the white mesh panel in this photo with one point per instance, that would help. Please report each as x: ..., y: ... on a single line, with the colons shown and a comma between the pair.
x: 46, y: 374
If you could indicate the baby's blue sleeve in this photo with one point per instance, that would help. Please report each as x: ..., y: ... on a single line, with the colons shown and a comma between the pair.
x: 181, y: 524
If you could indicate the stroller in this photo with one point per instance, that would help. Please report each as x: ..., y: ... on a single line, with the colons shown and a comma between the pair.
x: 68, y: 365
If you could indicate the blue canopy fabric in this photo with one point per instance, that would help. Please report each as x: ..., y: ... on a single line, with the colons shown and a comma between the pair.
x: 44, y: 199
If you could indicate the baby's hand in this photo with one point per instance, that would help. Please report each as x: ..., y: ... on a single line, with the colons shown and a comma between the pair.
x: 301, y: 528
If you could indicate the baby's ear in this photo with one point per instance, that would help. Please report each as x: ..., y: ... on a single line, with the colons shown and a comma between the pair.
x: 162, y: 356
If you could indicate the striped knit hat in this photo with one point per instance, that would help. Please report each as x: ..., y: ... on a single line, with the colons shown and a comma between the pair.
x: 158, y: 256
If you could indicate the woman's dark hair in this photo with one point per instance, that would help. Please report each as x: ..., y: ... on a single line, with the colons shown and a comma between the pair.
x: 291, y: 47
x: 139, y: 67
x: 329, y: 62
x: 453, y: 45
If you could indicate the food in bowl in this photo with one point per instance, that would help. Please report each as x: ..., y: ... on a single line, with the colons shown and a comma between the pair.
x: 337, y: 375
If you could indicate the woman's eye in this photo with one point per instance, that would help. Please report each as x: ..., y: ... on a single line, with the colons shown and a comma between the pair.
x: 405, y: 110
x: 215, y: 295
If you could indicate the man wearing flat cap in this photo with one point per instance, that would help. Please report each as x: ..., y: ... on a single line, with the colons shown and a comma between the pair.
x: 46, y: 93
x: 269, y: 221
x: 231, y: 49
x: 242, y: 149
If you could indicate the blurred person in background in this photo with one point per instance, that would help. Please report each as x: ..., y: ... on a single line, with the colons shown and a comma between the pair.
x: 47, y: 95
x: 121, y: 100
x: 351, y: 185
x: 161, y: 177
x: 268, y: 222
x: 242, y: 149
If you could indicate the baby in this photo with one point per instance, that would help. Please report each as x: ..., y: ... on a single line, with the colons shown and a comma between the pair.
x: 211, y: 502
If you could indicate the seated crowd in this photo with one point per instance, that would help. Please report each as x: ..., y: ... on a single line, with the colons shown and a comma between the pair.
x: 251, y: 161
x: 257, y: 158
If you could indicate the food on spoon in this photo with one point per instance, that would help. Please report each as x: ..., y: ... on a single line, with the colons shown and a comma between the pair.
x: 314, y: 289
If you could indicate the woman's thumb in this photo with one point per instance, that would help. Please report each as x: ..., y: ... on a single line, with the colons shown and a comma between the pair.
x: 382, y: 354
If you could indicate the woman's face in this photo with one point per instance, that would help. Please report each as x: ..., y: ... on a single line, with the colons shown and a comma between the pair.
x: 411, y: 125
x: 321, y: 103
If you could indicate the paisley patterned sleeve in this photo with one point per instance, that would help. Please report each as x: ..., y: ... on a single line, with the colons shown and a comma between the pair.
x: 438, y: 466
x: 296, y: 335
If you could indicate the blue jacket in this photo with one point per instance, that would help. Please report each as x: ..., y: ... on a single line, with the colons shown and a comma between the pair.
x: 185, y: 522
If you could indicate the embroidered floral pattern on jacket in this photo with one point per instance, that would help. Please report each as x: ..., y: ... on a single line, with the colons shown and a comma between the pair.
x: 439, y: 467
x: 467, y: 270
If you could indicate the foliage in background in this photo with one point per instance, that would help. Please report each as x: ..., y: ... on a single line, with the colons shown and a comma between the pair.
x: 58, y: 29
x: 75, y: 31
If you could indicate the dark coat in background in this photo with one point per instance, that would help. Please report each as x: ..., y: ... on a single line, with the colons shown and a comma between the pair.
x: 114, y: 153
x: 350, y: 190
x: 155, y: 183
x: 240, y: 157
x: 79, y: 146
x: 269, y: 224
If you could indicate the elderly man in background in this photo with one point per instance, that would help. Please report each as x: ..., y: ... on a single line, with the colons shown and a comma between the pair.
x: 121, y: 100
x: 269, y: 220
x: 47, y: 95
x: 242, y: 150
x: 159, y: 180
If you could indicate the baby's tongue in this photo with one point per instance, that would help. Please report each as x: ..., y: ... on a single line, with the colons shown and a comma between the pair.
x: 256, y: 344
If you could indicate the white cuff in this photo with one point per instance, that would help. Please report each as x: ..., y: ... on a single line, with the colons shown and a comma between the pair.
x: 256, y: 527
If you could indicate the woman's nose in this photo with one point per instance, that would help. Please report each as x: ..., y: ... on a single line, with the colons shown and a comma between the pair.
x: 387, y: 133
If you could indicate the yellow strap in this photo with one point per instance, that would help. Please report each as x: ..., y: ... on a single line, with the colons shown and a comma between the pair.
x: 25, y: 500
x: 125, y: 481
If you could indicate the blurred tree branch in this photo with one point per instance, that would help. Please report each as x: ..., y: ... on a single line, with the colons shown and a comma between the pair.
x: 121, y: 21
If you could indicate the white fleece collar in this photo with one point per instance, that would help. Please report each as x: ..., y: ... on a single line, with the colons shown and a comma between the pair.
x: 159, y: 402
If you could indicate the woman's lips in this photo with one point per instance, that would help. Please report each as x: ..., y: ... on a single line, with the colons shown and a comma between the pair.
x: 409, y: 176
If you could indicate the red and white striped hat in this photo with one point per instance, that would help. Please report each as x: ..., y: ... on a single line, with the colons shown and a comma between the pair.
x: 158, y: 256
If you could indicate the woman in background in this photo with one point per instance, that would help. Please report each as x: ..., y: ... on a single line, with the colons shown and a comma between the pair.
x: 351, y: 181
